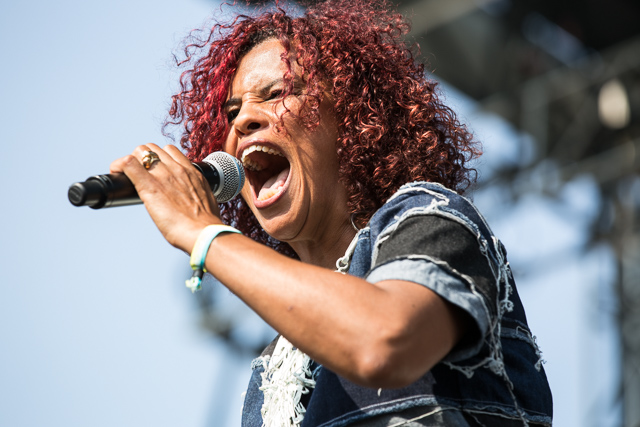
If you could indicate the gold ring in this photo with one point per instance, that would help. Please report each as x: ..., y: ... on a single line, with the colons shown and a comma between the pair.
x: 149, y: 158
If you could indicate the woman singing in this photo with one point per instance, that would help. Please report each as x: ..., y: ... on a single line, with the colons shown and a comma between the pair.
x: 393, y: 300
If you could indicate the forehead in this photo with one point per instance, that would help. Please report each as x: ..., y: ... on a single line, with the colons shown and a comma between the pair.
x: 260, y: 66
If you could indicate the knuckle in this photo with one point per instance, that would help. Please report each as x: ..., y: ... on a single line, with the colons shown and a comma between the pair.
x: 140, y: 149
x: 129, y: 159
x: 182, y: 174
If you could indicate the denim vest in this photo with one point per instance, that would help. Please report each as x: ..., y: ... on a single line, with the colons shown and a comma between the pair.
x: 503, y: 376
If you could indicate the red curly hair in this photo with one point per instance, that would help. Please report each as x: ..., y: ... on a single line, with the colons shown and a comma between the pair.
x: 393, y: 129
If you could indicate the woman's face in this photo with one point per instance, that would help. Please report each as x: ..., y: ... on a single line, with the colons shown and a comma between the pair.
x: 293, y: 186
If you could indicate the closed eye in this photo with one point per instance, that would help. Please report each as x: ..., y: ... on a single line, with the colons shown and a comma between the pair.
x: 275, y: 94
x: 232, y: 114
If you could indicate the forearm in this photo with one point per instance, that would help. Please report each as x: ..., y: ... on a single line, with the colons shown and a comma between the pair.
x: 373, y: 335
x: 315, y: 308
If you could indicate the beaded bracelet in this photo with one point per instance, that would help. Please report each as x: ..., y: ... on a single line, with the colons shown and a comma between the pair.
x: 199, y: 252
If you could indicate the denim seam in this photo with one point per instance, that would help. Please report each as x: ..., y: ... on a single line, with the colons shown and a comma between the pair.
x: 443, y: 212
x: 495, y: 361
x: 484, y: 323
x: 380, y: 408
x: 488, y: 408
x: 409, y: 213
x: 419, y: 185
x: 500, y: 268
x: 526, y: 335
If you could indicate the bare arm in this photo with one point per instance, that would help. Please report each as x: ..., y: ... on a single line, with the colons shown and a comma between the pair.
x: 386, y: 334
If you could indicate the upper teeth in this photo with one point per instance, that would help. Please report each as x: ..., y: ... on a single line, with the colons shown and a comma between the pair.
x: 250, y: 164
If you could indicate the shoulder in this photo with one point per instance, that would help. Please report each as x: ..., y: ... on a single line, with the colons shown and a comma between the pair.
x: 427, y: 199
x: 430, y: 235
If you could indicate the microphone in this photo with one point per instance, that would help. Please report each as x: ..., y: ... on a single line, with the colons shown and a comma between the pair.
x: 223, y: 172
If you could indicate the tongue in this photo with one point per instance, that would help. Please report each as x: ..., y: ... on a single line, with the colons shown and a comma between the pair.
x: 273, y: 185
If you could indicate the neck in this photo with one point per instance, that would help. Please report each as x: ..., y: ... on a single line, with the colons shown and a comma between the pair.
x: 326, y: 250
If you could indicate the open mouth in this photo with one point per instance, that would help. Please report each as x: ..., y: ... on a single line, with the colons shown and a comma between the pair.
x: 267, y: 171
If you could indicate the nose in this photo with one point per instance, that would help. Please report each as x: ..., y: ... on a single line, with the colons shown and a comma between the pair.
x: 250, y: 119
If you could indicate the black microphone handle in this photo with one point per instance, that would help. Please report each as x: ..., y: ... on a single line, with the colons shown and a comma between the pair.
x: 115, y: 189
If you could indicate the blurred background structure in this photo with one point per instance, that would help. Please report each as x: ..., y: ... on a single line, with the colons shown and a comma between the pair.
x: 96, y: 326
x: 568, y: 74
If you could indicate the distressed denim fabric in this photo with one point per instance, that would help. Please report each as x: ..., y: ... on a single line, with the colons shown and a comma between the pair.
x: 496, y: 377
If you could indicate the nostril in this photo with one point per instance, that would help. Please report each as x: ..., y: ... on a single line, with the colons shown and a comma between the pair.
x: 253, y: 126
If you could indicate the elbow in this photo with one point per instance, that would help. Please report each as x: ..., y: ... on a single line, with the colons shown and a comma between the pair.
x: 375, y: 371
x: 391, y: 363
x: 399, y: 350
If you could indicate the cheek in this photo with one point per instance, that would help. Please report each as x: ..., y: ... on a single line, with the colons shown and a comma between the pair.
x: 289, y: 110
x: 246, y: 193
x: 229, y: 147
x: 229, y: 142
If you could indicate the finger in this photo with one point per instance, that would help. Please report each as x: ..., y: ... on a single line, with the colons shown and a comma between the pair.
x: 118, y: 165
x: 173, y: 159
x: 177, y: 155
x: 156, y: 149
x: 175, y: 163
x: 131, y: 166
x: 182, y: 167
x: 143, y: 151
x: 139, y: 153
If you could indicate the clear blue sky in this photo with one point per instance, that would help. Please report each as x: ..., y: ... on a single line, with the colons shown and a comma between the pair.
x: 96, y: 326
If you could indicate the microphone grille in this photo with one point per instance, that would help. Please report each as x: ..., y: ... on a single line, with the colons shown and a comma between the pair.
x: 232, y: 175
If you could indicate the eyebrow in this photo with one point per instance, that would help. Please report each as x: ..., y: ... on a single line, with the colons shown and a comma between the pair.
x: 234, y: 102
x: 264, y: 90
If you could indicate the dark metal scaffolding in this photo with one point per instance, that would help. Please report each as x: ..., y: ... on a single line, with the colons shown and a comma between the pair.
x: 568, y: 74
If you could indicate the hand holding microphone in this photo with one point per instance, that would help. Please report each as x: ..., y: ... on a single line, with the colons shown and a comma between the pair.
x: 223, y: 172
x: 180, y: 196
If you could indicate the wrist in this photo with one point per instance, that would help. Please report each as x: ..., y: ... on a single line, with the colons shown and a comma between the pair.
x: 200, y: 250
x: 186, y: 236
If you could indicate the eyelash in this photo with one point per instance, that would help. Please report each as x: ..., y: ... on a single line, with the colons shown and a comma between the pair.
x: 274, y: 94
x: 232, y: 114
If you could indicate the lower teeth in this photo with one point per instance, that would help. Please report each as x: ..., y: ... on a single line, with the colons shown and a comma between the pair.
x: 267, y: 194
